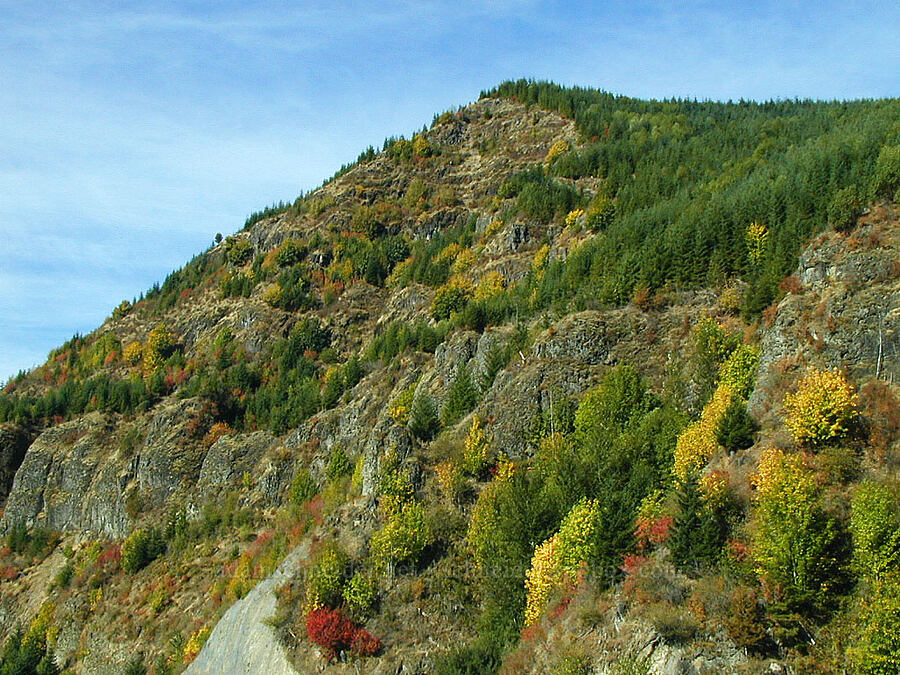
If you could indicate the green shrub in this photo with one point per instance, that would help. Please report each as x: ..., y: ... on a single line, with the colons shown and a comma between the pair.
x: 141, y: 548
x: 131, y: 441
x: 121, y: 310
x: 608, y: 409
x: 291, y: 292
x: 799, y: 549
x: 338, y: 464
x: 64, y: 577
x: 497, y: 358
x: 699, y: 530
x: 237, y: 285
x: 359, y: 595
x: 461, y: 397
x: 450, y: 298
x: 303, y: 487
x: 674, y: 624
x: 482, y: 657
x: 887, y: 172
x: 402, y: 538
x: 423, y: 418
x: 601, y: 213
x: 877, y: 648
x: 325, y: 584
x: 333, y: 387
x: 35, y: 543
x: 309, y: 334
x: 572, y: 665
x: 538, y: 196
x: 31, y: 652
x: 290, y: 253
x: 845, y: 208
x: 136, y: 666
x: 353, y: 372
x: 476, y: 456
x: 238, y: 250
x: 875, y: 525
x: 631, y: 664
x: 712, y: 345
x: 737, y: 429
x: 395, y: 488
x: 400, y: 336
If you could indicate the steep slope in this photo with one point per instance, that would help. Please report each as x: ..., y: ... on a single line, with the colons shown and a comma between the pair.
x: 388, y: 402
x: 154, y: 454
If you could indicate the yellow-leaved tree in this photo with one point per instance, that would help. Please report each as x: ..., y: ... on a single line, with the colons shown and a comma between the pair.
x: 697, y: 443
x: 822, y: 409
x: 558, y: 560
x: 757, y: 237
x: 476, y: 450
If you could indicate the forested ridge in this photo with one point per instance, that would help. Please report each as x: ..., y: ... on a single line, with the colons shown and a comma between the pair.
x: 687, y: 178
x: 567, y: 382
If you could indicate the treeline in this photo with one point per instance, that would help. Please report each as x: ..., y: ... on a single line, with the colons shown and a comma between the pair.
x: 79, y: 396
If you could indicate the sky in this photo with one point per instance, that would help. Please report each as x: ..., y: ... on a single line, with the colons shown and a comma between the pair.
x: 131, y: 133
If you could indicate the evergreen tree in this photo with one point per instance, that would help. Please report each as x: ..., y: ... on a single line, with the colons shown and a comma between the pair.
x: 461, y: 397
x: 423, y: 418
x: 698, y: 532
x: 736, y: 430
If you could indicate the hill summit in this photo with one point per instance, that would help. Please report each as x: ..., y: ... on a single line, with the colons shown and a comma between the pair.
x: 568, y: 382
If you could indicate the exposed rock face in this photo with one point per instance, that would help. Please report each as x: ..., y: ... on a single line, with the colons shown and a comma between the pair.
x: 230, y: 458
x: 529, y: 390
x: 843, y: 313
x: 53, y: 487
x: 13, y: 444
x: 408, y: 304
x: 77, y: 478
x: 242, y: 642
x: 169, y: 461
x: 509, y: 239
x: 451, y: 355
x: 586, y: 338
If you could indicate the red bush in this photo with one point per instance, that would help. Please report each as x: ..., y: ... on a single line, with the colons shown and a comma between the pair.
x: 632, y: 563
x: 112, y: 554
x: 365, y: 644
x: 652, y: 532
x: 332, y: 630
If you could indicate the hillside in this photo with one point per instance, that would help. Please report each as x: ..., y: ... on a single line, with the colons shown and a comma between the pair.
x: 568, y: 382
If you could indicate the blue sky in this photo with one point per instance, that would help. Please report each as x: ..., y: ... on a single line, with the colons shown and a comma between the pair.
x: 130, y: 133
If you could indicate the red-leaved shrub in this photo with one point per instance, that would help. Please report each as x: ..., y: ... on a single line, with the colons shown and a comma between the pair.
x: 332, y: 630
x: 652, y: 532
x: 365, y: 644
x: 111, y: 555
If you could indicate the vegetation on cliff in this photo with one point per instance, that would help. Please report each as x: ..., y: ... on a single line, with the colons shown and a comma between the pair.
x: 533, y: 337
